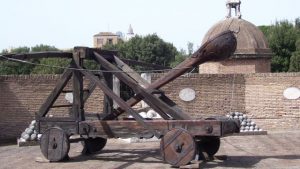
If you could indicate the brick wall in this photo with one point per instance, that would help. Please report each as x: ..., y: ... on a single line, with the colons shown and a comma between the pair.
x: 22, y: 96
x: 258, y: 95
x: 257, y: 65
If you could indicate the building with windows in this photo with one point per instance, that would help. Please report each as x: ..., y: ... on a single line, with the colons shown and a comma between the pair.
x: 104, y: 38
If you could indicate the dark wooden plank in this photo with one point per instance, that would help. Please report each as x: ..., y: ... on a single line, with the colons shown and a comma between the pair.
x: 131, y: 128
x: 55, y: 93
x: 108, y: 81
x: 154, y: 102
x: 145, y: 64
x: 119, y: 101
x: 62, y: 105
x: 88, y: 92
x: 68, y: 127
x: 38, y: 55
x: 78, y: 104
x: 133, y: 74
x: 219, y: 47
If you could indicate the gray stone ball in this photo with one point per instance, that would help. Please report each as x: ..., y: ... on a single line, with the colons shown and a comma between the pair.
x: 31, y: 127
x: 33, y: 137
x: 23, y: 134
x: 26, y: 137
x: 29, y: 131
x: 33, y: 122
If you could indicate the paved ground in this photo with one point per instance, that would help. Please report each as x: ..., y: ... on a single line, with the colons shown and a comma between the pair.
x: 275, y: 150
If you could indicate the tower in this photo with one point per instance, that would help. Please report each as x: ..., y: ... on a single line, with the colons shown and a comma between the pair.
x: 252, y: 54
x: 130, y: 33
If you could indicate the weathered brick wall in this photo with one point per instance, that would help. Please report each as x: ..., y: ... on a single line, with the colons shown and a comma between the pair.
x: 257, y: 65
x: 215, y: 94
x: 264, y: 100
x: 258, y: 95
x: 22, y: 96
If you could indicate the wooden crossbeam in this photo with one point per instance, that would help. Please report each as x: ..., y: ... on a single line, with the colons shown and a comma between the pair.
x: 150, y: 99
x: 119, y: 101
x: 123, y: 66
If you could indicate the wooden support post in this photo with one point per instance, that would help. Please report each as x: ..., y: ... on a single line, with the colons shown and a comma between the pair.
x: 78, y: 103
x: 108, y: 80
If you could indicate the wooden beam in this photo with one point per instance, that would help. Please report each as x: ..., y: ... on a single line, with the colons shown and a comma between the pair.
x: 131, y: 128
x: 123, y: 66
x: 88, y: 92
x: 55, y: 93
x: 119, y: 101
x: 150, y: 99
x: 78, y: 103
x: 39, y: 55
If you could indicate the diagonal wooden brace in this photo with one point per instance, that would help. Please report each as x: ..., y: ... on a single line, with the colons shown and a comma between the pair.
x: 119, y: 101
x: 150, y: 99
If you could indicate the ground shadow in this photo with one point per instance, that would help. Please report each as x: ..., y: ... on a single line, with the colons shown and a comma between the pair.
x: 14, y: 115
x: 130, y: 156
x: 150, y: 156
x: 244, y: 161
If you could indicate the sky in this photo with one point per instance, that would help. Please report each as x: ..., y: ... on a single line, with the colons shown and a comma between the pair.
x: 68, y: 23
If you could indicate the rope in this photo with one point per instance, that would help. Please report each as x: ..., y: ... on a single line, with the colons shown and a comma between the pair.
x: 69, y: 68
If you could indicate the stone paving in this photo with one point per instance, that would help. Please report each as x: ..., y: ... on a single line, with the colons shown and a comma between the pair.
x: 276, y: 150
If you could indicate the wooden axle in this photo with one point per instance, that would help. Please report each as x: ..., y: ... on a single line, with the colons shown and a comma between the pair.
x: 131, y: 128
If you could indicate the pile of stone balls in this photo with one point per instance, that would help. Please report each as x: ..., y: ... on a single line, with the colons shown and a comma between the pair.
x: 30, y: 133
x: 247, y: 125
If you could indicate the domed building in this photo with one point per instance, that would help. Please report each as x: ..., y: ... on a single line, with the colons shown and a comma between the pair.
x: 252, y: 54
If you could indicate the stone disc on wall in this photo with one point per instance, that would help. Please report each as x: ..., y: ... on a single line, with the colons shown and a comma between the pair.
x: 187, y: 94
x: 291, y: 93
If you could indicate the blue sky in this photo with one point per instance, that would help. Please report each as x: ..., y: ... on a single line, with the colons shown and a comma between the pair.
x: 69, y: 23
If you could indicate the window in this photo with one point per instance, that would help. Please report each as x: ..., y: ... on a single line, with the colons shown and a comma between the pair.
x: 100, y: 41
x: 110, y: 41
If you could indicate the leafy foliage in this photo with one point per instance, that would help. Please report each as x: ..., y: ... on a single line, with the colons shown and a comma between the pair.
x: 283, y: 38
x: 9, y: 67
x: 150, y: 49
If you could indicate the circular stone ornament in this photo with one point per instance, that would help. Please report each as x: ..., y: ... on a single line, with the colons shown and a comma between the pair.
x: 291, y: 93
x: 187, y: 94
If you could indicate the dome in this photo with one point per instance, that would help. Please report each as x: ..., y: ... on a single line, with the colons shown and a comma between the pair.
x: 251, y: 42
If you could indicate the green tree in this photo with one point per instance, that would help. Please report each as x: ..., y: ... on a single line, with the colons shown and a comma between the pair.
x: 150, y: 49
x: 10, y: 67
x: 282, y: 37
x: 295, y: 62
x: 181, y: 56
x: 49, y: 65
x: 190, y: 47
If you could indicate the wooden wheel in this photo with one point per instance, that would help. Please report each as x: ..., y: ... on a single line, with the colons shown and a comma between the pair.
x: 93, y: 145
x: 178, y: 147
x: 55, y: 144
x: 210, y: 145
